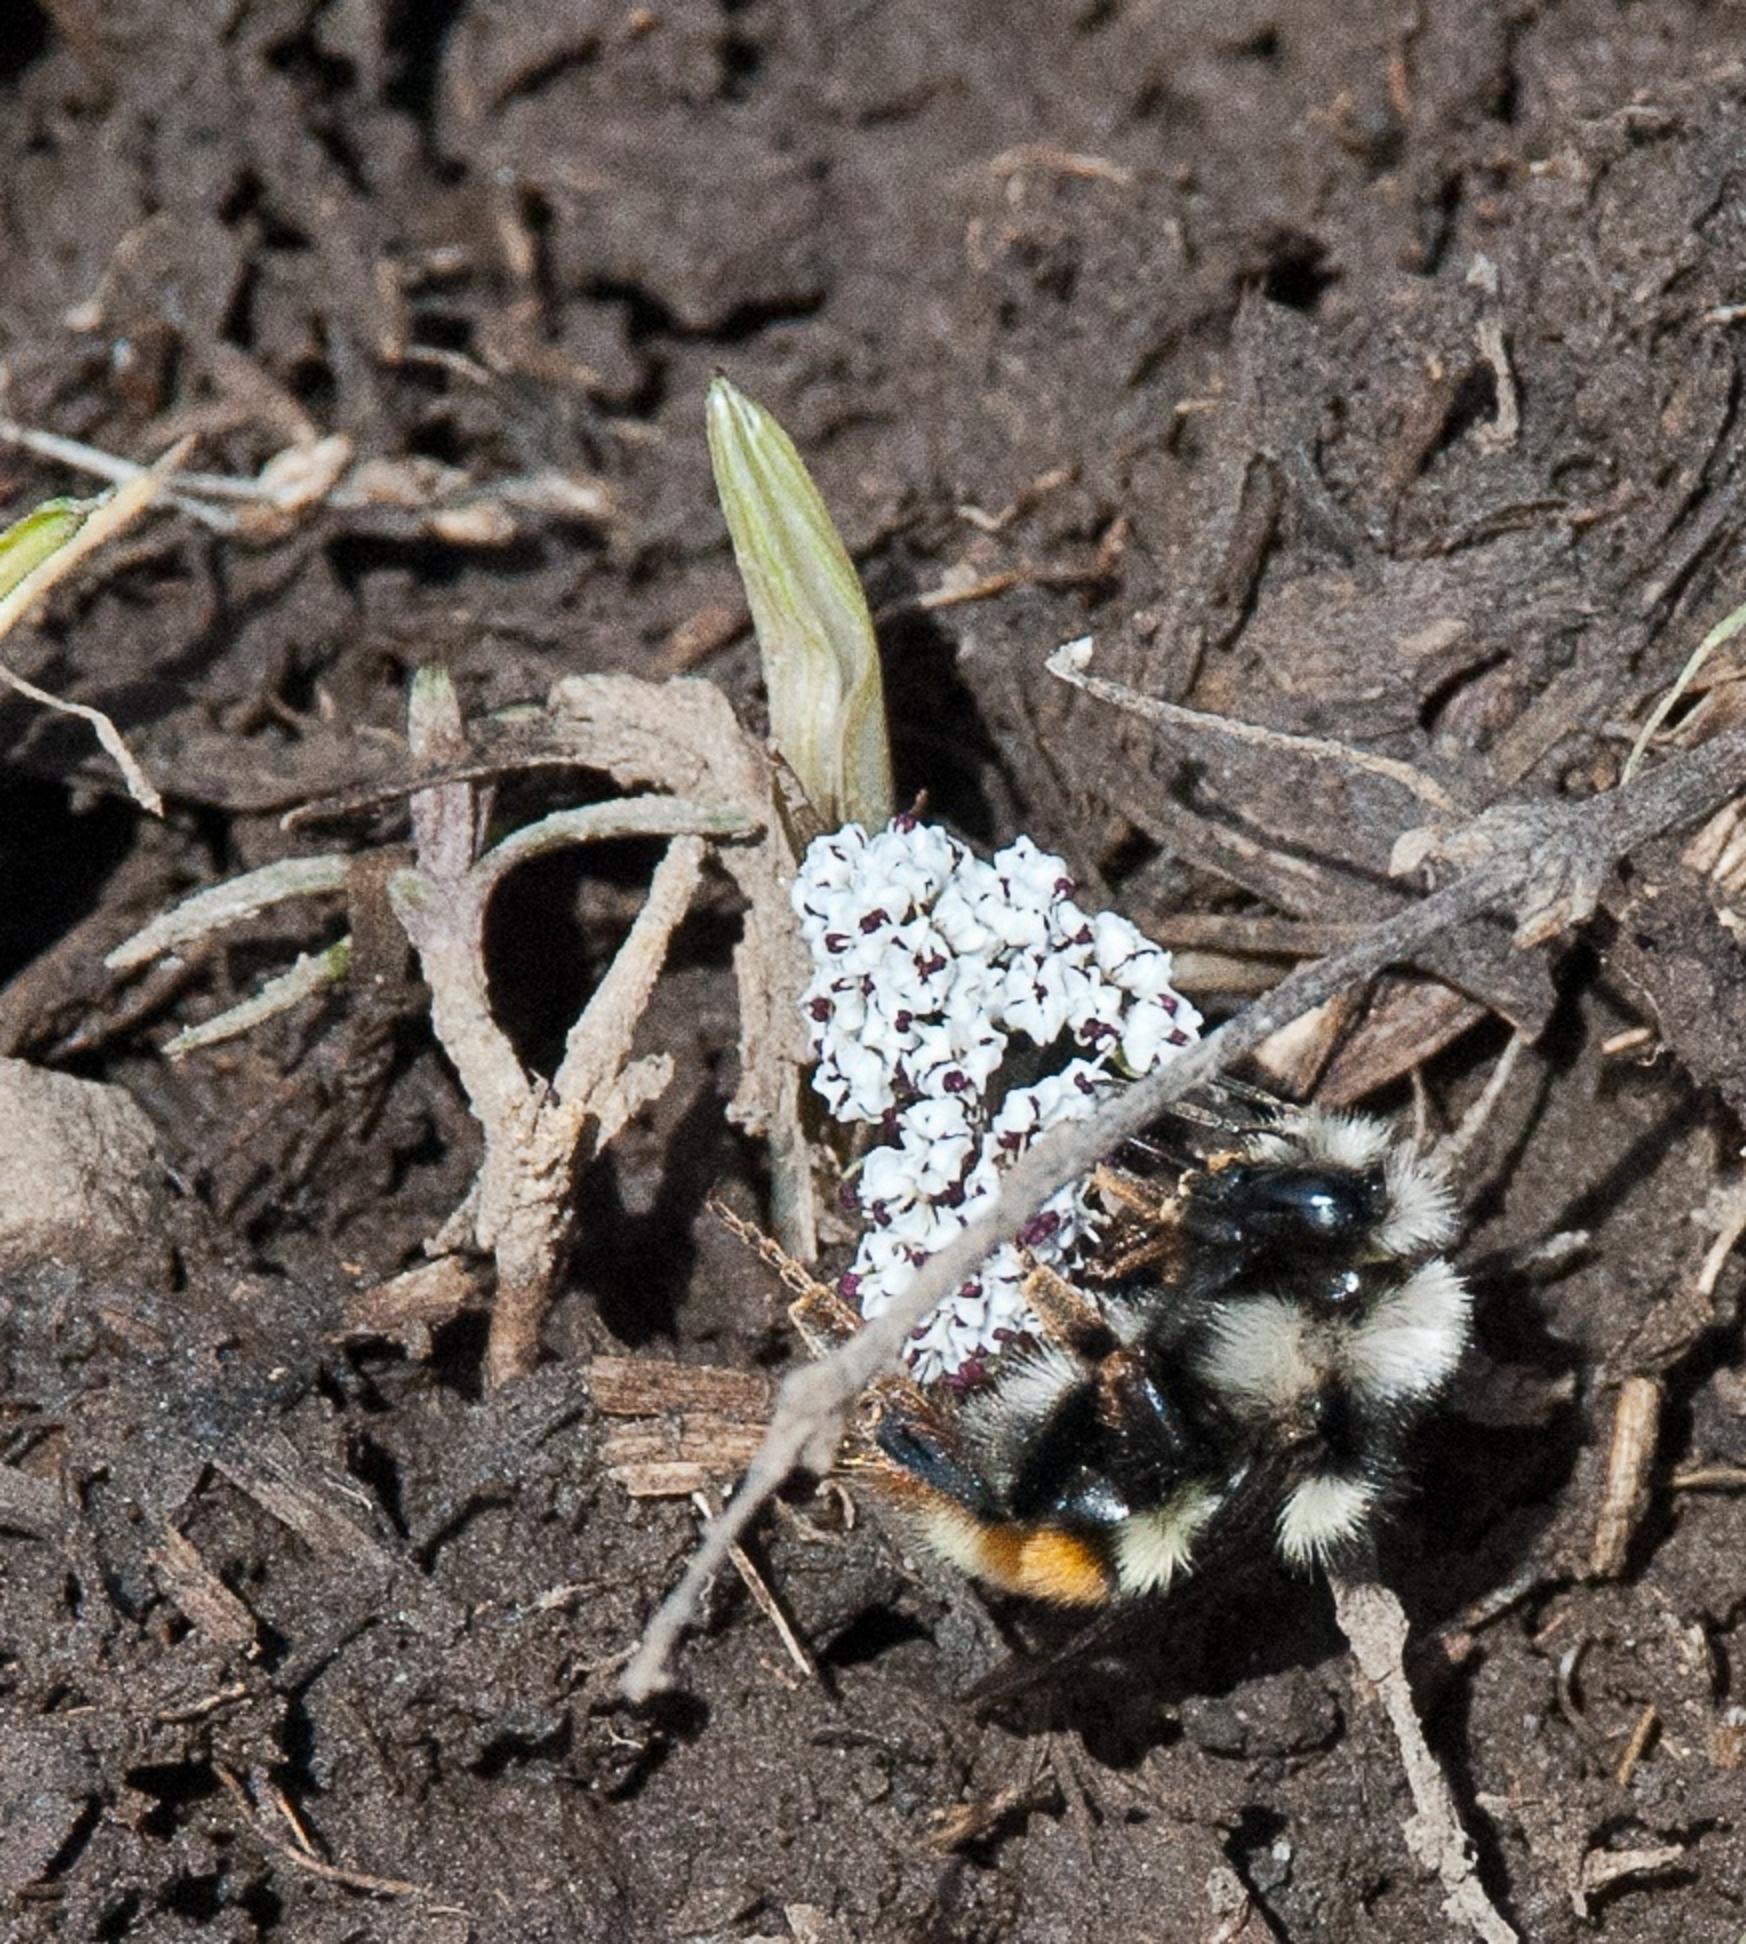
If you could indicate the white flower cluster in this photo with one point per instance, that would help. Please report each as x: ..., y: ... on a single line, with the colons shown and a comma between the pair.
x: 926, y: 962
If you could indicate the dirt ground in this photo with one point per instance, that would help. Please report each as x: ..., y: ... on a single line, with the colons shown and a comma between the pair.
x: 1359, y: 370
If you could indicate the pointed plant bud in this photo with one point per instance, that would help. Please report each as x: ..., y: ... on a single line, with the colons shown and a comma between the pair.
x: 43, y: 531
x: 815, y: 636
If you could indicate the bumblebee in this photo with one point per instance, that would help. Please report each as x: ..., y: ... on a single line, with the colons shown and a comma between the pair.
x: 1254, y: 1342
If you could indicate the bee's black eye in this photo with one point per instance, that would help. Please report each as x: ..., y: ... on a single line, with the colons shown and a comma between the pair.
x: 1330, y: 1207
x: 1320, y: 1207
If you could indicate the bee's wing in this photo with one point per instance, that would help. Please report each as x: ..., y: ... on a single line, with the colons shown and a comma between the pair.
x: 1208, y: 1120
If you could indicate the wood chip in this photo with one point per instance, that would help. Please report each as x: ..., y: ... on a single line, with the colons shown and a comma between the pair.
x: 647, y: 1387
x: 30, y: 1504
x: 1601, y: 1867
x: 1636, y: 1424
x: 423, y: 1297
x: 1641, y: 1736
x: 1373, y: 1622
x: 1409, y: 1022
x: 676, y: 1456
x: 201, y: 1596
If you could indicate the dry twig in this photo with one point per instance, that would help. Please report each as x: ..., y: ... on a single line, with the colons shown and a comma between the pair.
x: 683, y: 737
x: 715, y: 783
x: 1601, y: 1867
x: 302, y: 479
x: 534, y: 1131
x: 1630, y: 1457
x: 107, y: 519
x: 1709, y: 1478
x: 1371, y: 1619
x: 299, y: 1853
x: 1070, y: 664
x: 1641, y: 1736
x: 764, y: 1598
x: 1722, y: 633
x: 1457, y: 1145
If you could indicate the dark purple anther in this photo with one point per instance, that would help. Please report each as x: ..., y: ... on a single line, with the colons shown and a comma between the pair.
x: 873, y: 921
x: 955, y: 1082
x: 819, y: 1010
x: 849, y: 1286
x: 1039, y: 1228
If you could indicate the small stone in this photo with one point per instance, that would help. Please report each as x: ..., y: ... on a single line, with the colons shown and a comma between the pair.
x: 81, y: 1178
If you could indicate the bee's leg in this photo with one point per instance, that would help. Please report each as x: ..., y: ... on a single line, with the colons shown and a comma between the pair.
x: 923, y: 1455
x: 1146, y: 1231
x: 1131, y: 1193
x: 1114, y: 1491
x: 1153, y: 1434
x: 1067, y: 1317
x: 1116, y: 1441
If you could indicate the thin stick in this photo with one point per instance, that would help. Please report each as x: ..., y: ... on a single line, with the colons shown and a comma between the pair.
x: 109, y: 518
x: 369, y: 1886
x: 1727, y: 1238
x: 1069, y: 663
x: 1371, y: 1619
x: 1630, y: 1459
x: 1540, y: 850
x: 1724, y: 631
x: 232, y: 903
x: 765, y: 1598
x: 1454, y: 1149
x: 1709, y: 1478
x: 118, y: 471
x: 1641, y: 1736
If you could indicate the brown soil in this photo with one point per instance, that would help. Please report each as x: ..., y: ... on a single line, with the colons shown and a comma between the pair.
x: 1203, y: 304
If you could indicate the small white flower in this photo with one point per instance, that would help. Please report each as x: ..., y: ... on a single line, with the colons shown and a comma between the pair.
x: 938, y: 1138
x: 858, y: 1083
x: 1145, y: 1034
x: 1034, y: 999
x: 1034, y: 878
x: 833, y: 861
x: 1145, y: 974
